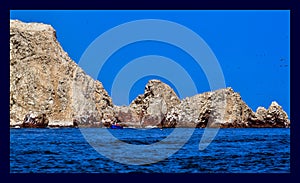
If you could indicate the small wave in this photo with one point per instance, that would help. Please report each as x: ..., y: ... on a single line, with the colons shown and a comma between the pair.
x: 50, y: 152
x: 31, y: 152
x: 69, y: 162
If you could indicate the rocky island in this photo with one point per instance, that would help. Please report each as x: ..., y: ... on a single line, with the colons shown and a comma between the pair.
x: 48, y: 89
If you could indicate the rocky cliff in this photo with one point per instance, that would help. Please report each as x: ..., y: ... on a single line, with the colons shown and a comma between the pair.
x: 47, y: 88
x: 44, y: 80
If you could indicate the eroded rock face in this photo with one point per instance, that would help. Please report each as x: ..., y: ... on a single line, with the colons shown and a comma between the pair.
x: 274, y: 116
x: 47, y: 88
x: 153, y: 105
x: 35, y: 120
x: 45, y: 80
x: 127, y: 117
x: 209, y: 109
x: 223, y: 108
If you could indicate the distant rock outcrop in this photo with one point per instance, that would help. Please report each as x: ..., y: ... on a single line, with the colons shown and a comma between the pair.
x: 153, y: 105
x: 275, y: 116
x: 214, y: 109
x: 47, y: 88
x: 160, y: 107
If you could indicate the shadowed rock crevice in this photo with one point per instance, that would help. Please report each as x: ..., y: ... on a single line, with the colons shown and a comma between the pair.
x: 47, y: 88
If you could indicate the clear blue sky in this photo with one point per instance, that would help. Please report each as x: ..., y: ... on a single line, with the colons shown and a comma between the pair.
x: 252, y: 47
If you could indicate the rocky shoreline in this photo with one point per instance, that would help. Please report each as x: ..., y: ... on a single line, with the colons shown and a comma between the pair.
x: 48, y: 89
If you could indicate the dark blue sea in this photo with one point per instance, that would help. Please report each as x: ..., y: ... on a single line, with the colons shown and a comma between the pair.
x: 65, y: 150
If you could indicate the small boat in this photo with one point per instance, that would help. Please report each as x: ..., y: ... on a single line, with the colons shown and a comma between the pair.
x: 116, y: 126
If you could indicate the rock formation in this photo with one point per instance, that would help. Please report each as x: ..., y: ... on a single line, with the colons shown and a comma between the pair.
x: 127, y: 117
x: 44, y: 80
x: 160, y: 107
x: 275, y: 116
x: 153, y: 105
x: 35, y: 120
x: 148, y: 109
x: 47, y: 88
x: 213, y: 109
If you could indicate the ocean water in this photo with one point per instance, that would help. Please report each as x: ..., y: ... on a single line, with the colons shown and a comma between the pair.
x: 65, y: 150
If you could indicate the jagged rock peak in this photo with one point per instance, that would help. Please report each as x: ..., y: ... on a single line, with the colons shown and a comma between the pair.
x: 274, y: 105
x: 156, y: 89
x: 274, y: 116
x: 153, y: 105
